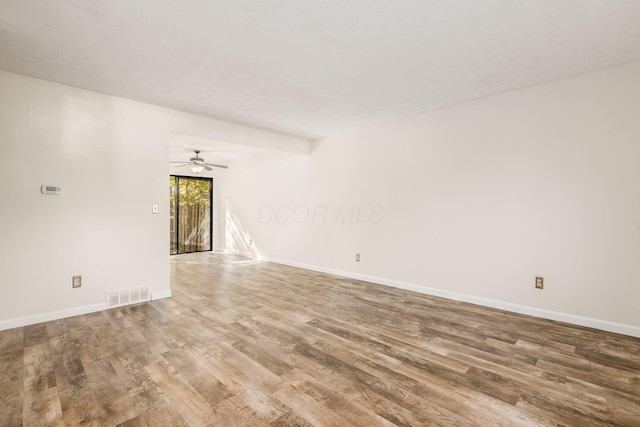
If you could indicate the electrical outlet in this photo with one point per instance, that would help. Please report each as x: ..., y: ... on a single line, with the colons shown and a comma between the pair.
x: 357, y: 257
x: 250, y: 242
x: 76, y: 281
x: 539, y: 282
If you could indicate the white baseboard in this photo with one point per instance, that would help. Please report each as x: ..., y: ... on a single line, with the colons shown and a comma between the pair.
x: 604, y: 325
x: 61, y: 314
x: 54, y: 315
x: 161, y: 295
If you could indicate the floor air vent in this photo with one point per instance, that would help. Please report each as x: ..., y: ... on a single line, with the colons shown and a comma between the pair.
x: 127, y: 296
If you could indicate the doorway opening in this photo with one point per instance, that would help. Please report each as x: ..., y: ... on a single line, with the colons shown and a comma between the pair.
x: 190, y: 213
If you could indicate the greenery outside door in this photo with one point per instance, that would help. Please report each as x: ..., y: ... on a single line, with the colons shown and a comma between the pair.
x: 190, y: 214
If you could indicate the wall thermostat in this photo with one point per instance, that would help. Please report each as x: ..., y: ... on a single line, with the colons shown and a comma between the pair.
x: 50, y: 189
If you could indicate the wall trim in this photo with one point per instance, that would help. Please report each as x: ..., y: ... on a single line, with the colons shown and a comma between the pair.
x: 603, y: 325
x: 54, y: 315
x: 160, y: 295
x: 68, y: 312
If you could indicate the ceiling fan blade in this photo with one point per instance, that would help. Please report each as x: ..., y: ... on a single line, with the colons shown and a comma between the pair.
x: 198, y: 161
x: 216, y: 166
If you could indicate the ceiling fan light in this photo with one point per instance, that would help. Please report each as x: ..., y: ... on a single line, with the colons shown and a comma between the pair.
x: 197, y: 168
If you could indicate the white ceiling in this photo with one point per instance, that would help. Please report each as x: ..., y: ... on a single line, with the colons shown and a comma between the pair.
x: 313, y: 68
x: 182, y: 146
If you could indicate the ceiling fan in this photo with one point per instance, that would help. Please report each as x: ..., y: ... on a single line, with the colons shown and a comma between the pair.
x: 197, y: 164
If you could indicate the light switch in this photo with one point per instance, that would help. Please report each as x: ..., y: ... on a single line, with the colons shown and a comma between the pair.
x: 154, y: 208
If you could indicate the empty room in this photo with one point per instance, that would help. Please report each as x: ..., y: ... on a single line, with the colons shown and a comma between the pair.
x: 320, y: 213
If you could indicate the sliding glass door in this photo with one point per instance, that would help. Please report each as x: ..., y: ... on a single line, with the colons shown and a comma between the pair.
x: 190, y: 214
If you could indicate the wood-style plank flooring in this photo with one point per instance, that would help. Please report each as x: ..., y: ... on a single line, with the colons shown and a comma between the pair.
x: 255, y: 344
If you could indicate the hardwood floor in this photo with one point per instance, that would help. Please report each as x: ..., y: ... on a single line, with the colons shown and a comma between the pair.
x: 253, y: 343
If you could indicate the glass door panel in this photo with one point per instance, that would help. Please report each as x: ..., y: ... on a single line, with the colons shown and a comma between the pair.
x: 191, y: 214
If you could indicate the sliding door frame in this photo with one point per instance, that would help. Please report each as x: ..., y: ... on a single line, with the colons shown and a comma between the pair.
x: 176, y: 194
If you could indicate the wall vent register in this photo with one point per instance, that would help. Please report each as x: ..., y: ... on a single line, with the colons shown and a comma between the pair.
x: 127, y: 296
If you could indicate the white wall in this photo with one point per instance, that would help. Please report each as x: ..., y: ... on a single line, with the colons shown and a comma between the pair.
x: 475, y: 200
x: 110, y: 156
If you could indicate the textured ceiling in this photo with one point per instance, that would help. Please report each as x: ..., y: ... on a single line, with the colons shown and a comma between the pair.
x: 313, y: 68
x: 181, y: 148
